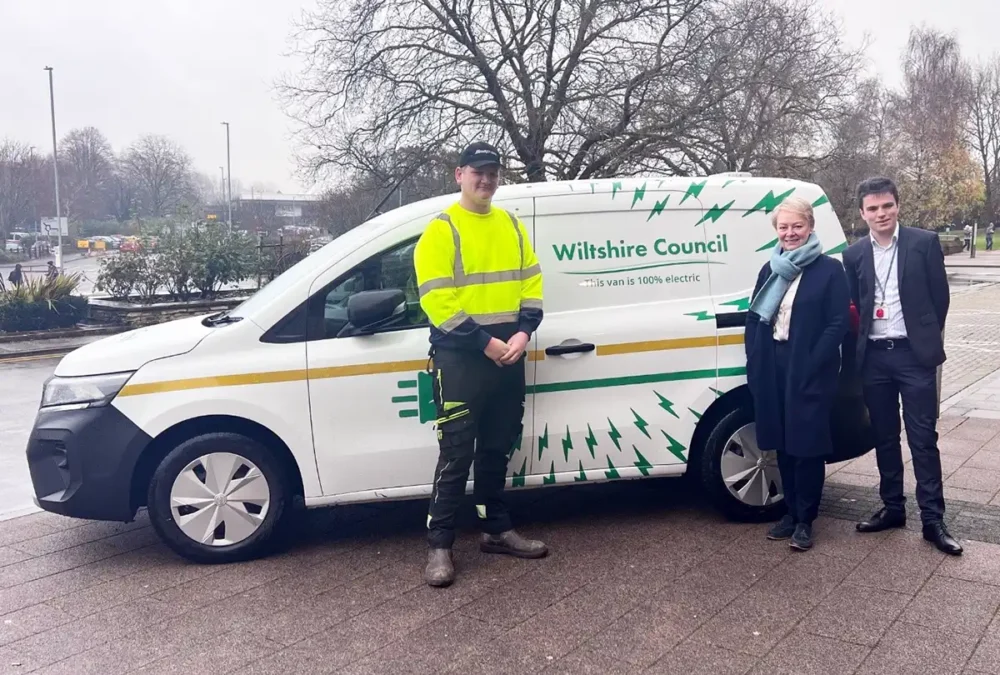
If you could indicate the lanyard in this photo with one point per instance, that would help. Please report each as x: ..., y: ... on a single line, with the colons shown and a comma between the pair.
x: 878, y: 282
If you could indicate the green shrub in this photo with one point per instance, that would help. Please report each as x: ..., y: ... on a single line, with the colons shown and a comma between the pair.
x: 40, y: 304
x: 197, y: 261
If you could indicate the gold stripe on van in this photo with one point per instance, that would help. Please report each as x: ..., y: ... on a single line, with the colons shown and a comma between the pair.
x: 665, y: 345
x: 277, y: 376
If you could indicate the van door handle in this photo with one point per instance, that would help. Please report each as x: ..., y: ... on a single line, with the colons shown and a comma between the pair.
x: 576, y: 348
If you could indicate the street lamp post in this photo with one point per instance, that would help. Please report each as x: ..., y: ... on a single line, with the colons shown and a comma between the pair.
x: 55, y: 170
x: 229, y: 173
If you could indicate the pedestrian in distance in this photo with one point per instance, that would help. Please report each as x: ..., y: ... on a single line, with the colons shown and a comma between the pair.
x: 16, y: 276
x: 899, y: 284
x: 480, y: 285
x: 797, y: 321
x: 51, y: 271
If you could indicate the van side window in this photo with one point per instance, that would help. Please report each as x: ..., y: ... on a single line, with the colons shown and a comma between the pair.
x: 327, y: 311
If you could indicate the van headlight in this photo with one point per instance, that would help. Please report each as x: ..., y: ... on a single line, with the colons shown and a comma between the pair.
x: 91, y: 391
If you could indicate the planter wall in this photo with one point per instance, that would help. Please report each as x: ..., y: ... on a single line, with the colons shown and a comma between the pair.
x: 136, y: 315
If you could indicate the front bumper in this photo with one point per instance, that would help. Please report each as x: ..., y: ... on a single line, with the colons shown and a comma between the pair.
x: 82, y: 461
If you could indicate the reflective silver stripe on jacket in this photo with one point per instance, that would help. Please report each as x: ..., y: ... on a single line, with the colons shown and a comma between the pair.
x: 462, y: 279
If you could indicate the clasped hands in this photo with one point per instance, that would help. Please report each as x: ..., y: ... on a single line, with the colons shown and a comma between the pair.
x: 507, y: 353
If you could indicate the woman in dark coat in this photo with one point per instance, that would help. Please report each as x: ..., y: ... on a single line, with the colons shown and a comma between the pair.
x: 797, y: 322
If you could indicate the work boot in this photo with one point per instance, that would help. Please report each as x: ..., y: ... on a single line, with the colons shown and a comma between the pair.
x: 440, y: 570
x: 511, y: 543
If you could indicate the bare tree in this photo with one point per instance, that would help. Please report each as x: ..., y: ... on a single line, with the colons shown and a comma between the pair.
x: 566, y: 89
x: 160, y: 172
x: 21, y: 190
x: 780, y: 95
x: 859, y: 147
x: 87, y: 161
x: 937, y: 176
x: 984, y: 128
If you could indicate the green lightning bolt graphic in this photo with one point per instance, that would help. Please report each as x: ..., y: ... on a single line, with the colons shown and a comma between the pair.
x: 675, y: 448
x: 615, y: 187
x: 582, y: 476
x: 591, y: 440
x: 518, y: 479
x: 640, y: 192
x: 551, y: 478
x: 612, y: 472
x: 701, y: 316
x: 715, y: 213
x: 769, y: 202
x: 839, y: 248
x: 728, y: 183
x: 643, y: 465
x: 641, y: 424
x: 822, y: 200
x: 741, y: 304
x: 614, y: 434
x: 695, y: 413
x: 694, y: 190
x: 567, y: 444
x: 768, y: 245
x: 666, y: 405
x: 716, y: 391
x: 658, y: 208
x: 543, y: 442
x: 517, y: 446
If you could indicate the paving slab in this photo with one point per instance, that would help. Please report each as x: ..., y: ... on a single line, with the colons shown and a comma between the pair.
x: 644, y: 577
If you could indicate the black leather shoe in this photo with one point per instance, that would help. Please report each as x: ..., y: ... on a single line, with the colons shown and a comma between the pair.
x: 884, y: 519
x: 937, y: 534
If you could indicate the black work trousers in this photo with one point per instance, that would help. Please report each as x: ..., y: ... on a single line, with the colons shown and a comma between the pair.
x: 480, y: 410
x: 890, y: 374
x: 802, y: 478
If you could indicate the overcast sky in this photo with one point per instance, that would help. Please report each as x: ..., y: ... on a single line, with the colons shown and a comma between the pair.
x: 180, y: 67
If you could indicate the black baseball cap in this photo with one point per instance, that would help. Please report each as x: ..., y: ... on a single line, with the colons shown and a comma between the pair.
x: 480, y: 154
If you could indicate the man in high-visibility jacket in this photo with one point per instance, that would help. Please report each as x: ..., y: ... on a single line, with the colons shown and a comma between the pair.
x: 480, y: 285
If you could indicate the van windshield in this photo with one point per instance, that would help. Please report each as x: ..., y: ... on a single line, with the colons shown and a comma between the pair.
x: 309, y: 266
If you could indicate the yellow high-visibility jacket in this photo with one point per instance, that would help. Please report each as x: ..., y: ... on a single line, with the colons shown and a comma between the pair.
x: 478, y: 278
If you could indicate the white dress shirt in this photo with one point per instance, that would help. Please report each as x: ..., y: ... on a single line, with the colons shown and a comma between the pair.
x: 783, y: 318
x: 886, y: 290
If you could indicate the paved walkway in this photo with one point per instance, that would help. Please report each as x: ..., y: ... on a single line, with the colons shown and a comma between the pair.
x: 642, y: 579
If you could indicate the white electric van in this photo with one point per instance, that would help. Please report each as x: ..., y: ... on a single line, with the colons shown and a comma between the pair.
x: 315, y: 391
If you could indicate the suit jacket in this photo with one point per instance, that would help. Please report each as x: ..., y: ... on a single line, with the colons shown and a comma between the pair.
x: 923, y: 291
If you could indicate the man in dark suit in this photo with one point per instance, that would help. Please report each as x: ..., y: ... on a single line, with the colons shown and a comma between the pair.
x: 899, y: 285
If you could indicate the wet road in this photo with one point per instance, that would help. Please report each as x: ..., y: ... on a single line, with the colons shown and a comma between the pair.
x: 20, y: 390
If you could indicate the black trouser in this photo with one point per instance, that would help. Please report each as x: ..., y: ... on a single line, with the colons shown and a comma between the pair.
x: 480, y: 407
x: 889, y: 374
x: 802, y: 478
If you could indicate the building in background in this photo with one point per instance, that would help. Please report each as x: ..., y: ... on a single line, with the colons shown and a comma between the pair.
x: 269, y: 212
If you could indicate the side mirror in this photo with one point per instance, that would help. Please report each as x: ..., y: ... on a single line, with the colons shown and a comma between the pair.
x: 370, y: 310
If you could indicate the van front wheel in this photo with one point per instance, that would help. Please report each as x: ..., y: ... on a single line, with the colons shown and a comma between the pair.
x: 740, y: 478
x: 219, y: 498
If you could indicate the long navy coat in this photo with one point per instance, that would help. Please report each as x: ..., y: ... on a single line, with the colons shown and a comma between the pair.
x: 819, y: 323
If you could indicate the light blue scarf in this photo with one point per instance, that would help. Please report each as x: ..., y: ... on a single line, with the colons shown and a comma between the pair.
x: 785, y: 266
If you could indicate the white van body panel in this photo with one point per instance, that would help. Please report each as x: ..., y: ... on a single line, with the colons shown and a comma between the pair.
x: 135, y: 348
x: 355, y: 411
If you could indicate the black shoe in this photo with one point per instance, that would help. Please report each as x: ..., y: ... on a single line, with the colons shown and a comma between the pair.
x: 511, y: 543
x: 440, y: 570
x: 802, y: 538
x: 783, y: 529
x: 884, y: 519
x: 937, y: 534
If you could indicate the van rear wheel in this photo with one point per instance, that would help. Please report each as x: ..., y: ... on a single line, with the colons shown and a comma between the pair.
x: 741, y: 479
x: 219, y: 498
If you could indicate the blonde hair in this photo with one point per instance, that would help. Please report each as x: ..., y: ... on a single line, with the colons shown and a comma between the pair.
x: 798, y: 206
